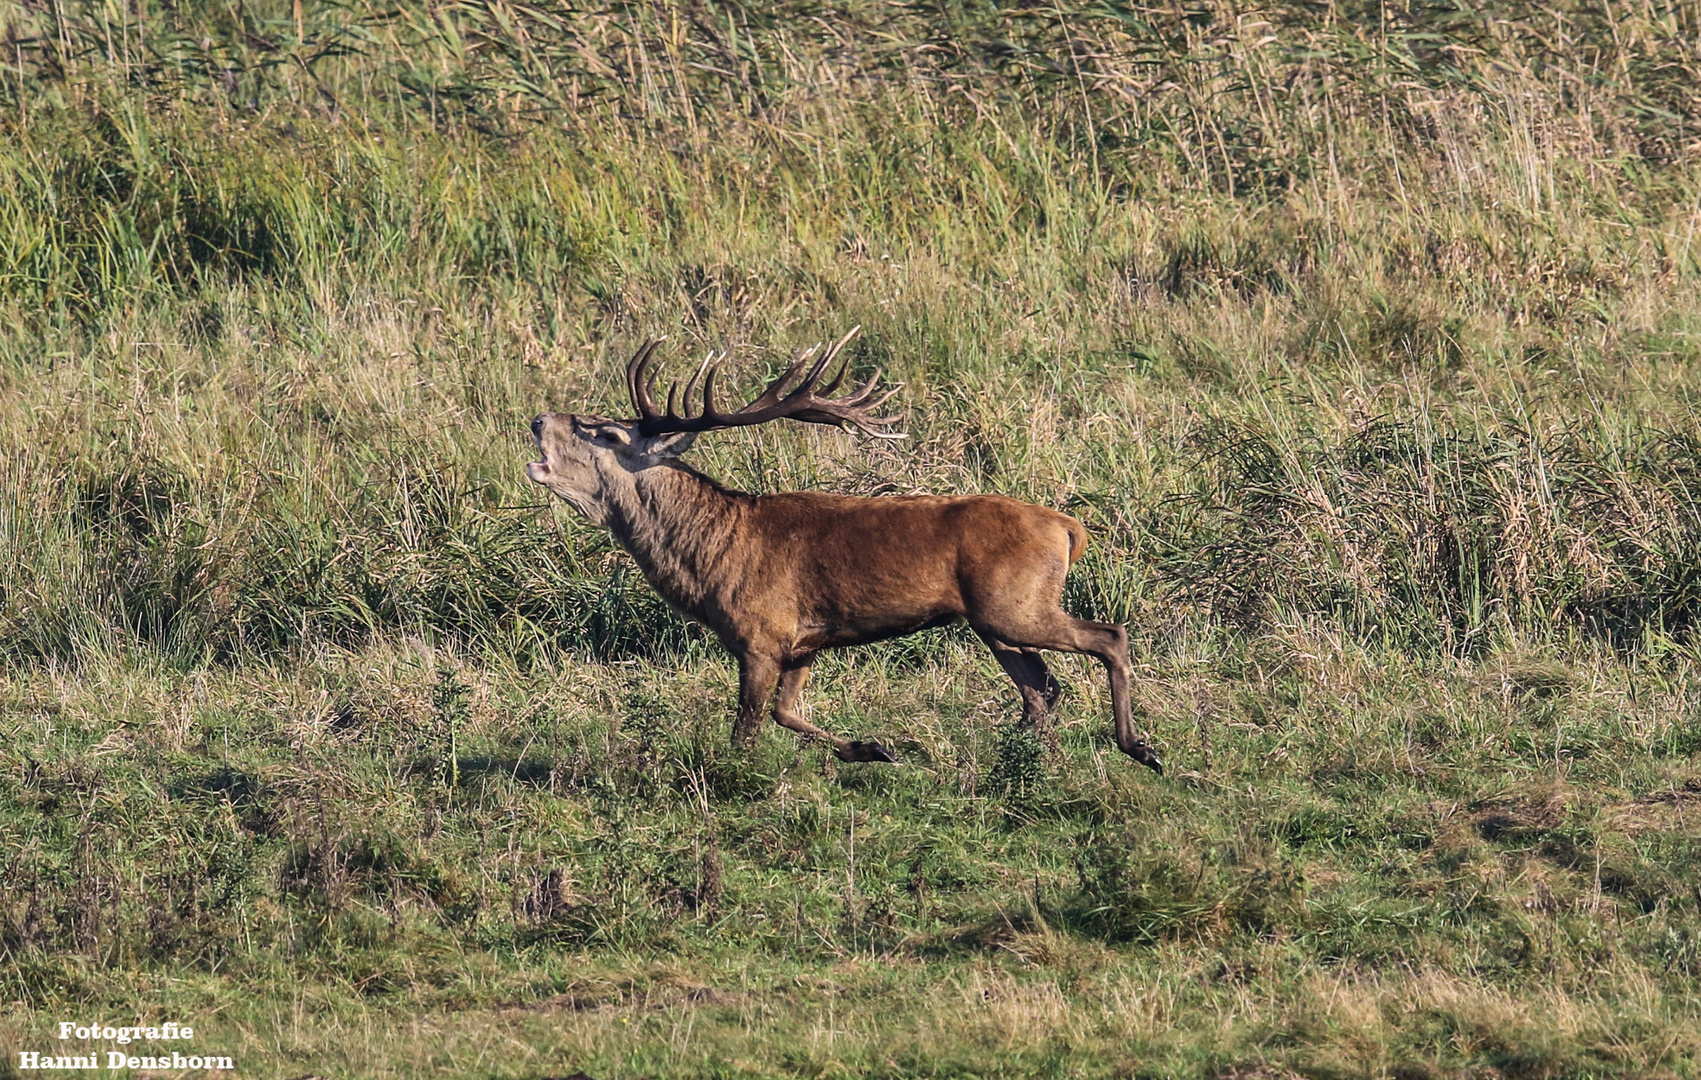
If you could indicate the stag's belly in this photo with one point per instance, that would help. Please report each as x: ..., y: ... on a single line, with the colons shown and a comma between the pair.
x: 874, y: 609
x: 824, y: 635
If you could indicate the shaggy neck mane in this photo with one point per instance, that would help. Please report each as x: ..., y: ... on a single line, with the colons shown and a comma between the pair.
x: 679, y: 525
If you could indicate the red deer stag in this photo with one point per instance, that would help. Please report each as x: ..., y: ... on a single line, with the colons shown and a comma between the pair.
x: 780, y: 577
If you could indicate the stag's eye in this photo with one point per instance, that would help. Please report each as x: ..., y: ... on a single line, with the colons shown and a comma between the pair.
x: 537, y: 426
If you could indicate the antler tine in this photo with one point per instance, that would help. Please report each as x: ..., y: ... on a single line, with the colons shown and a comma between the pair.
x: 635, y: 377
x: 844, y: 367
x: 771, y: 394
x: 878, y: 434
x: 650, y: 383
x: 632, y: 366
x: 710, y: 414
x: 870, y: 406
x: 806, y: 385
x: 697, y: 377
x: 652, y: 373
x: 859, y: 399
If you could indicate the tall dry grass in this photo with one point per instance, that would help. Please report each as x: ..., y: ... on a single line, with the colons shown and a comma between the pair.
x: 1401, y: 293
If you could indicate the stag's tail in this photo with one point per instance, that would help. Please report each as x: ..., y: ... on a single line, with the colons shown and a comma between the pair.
x: 1077, y: 540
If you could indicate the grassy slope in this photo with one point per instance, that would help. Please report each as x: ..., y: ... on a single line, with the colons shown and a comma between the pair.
x: 1366, y: 354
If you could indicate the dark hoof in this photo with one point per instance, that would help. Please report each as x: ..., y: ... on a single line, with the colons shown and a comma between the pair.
x: 1145, y: 755
x: 865, y: 751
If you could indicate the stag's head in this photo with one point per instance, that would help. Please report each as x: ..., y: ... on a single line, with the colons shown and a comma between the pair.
x: 587, y: 460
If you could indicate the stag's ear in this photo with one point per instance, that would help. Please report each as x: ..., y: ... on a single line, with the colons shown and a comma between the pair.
x: 672, y: 445
x: 606, y: 432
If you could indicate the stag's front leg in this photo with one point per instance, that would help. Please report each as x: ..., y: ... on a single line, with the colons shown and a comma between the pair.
x: 792, y: 679
x: 757, y: 674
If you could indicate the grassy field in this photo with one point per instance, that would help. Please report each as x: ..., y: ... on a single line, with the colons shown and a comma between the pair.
x: 1364, y: 338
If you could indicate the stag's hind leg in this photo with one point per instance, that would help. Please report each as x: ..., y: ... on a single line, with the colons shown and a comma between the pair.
x: 793, y: 676
x: 1056, y: 629
x: 1039, y: 689
x: 1017, y: 600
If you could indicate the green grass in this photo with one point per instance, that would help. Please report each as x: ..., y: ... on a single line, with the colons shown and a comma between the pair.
x: 1362, y: 338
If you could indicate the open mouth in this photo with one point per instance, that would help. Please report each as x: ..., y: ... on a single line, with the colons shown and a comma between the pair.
x: 537, y: 437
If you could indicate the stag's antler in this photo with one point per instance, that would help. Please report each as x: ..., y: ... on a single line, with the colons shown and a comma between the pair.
x: 801, y: 401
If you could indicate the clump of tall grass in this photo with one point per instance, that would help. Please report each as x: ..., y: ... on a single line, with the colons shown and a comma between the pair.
x: 1437, y: 538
